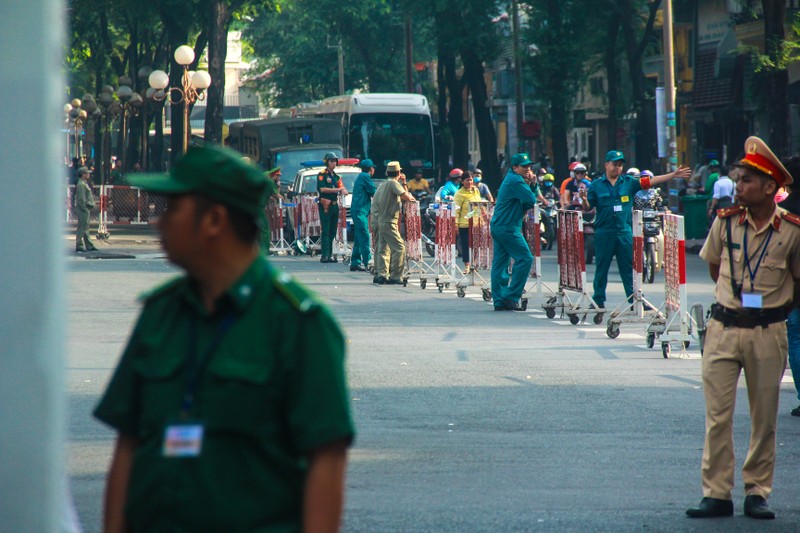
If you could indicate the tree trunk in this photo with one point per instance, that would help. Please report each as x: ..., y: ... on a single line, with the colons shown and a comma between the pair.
x: 612, y: 74
x: 455, y: 113
x: 559, y: 99
x: 473, y: 75
x: 217, y: 51
x: 443, y: 137
x: 777, y: 80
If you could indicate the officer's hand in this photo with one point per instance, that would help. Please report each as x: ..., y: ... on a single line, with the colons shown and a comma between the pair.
x: 682, y: 172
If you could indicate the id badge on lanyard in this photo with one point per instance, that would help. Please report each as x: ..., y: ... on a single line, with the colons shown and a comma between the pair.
x: 183, y: 439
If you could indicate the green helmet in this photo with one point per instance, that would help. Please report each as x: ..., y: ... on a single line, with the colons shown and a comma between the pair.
x: 329, y: 156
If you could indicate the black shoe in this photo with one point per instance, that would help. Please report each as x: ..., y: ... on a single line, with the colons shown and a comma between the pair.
x: 711, y: 508
x: 514, y: 306
x: 332, y: 260
x: 796, y: 410
x: 756, y: 507
x: 358, y: 268
x: 323, y: 259
x: 502, y: 307
x: 80, y: 250
x: 391, y: 281
x: 380, y: 280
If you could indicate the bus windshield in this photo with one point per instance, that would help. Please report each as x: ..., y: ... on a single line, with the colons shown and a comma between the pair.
x: 391, y: 137
x: 291, y: 161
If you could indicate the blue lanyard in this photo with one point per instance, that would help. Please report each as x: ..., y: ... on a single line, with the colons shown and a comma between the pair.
x: 763, y: 247
x: 198, y: 366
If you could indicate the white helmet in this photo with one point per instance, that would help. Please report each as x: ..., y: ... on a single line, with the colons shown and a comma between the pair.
x: 633, y: 171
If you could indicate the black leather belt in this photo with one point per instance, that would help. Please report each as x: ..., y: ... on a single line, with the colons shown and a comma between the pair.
x: 748, y: 318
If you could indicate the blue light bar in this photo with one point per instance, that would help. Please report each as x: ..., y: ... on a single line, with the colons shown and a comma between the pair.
x: 313, y: 163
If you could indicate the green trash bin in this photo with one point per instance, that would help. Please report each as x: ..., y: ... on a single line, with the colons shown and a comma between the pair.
x: 695, y: 215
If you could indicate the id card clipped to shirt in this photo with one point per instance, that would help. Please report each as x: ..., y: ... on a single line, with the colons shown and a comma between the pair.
x: 183, y: 439
x: 752, y: 300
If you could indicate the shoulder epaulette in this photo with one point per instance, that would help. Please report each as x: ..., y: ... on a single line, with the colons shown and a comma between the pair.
x: 295, y: 294
x: 730, y: 211
x: 159, y: 290
x: 791, y: 217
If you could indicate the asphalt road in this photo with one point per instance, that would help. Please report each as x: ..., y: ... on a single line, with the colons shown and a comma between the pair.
x: 468, y: 420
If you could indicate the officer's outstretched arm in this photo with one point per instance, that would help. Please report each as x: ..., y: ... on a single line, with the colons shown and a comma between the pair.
x: 682, y: 172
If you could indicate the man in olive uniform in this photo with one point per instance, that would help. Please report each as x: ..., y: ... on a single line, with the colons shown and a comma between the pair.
x: 363, y: 191
x: 229, y: 415
x: 84, y: 203
x: 390, y: 250
x: 273, y: 176
x: 753, y: 254
x: 516, y: 195
x: 612, y: 196
x: 329, y: 185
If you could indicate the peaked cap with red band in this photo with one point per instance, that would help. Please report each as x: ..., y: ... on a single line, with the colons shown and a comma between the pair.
x: 759, y: 157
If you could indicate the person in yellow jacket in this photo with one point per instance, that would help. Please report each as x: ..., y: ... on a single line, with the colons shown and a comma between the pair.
x: 466, y: 194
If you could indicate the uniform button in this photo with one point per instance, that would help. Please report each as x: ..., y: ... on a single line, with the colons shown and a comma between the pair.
x: 245, y: 291
x: 284, y: 278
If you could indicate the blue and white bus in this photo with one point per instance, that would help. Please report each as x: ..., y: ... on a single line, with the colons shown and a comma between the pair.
x: 383, y: 127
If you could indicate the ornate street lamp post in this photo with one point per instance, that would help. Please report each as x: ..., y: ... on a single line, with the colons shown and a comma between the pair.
x: 191, y: 90
x: 131, y: 102
x: 77, y: 118
x: 110, y: 108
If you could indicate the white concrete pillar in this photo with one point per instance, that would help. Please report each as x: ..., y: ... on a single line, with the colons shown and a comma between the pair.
x: 32, y: 400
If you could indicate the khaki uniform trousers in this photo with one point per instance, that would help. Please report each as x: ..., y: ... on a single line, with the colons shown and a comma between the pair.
x: 390, y: 251
x: 761, y: 352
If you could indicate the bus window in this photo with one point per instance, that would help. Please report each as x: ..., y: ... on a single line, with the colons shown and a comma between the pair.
x: 390, y: 136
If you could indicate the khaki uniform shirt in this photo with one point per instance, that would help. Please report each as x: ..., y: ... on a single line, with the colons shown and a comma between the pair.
x: 386, y: 202
x: 84, y: 199
x: 780, y: 266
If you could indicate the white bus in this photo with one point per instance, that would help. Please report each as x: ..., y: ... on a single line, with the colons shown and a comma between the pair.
x: 383, y: 127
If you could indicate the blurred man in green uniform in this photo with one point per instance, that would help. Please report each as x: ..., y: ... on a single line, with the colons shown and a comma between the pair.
x: 390, y: 250
x: 363, y: 191
x: 229, y: 415
x: 612, y: 195
x: 517, y: 194
x: 753, y: 254
x: 273, y: 177
x: 84, y: 203
x: 329, y: 185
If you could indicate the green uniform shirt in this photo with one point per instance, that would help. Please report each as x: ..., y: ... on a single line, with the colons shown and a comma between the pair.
x: 273, y: 391
x: 386, y: 203
x: 710, y: 181
x: 514, y: 197
x: 328, y: 179
x: 84, y: 199
x: 363, y: 191
x: 614, y: 204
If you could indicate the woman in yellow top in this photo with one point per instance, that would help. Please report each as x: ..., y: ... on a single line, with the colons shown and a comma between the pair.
x: 466, y: 194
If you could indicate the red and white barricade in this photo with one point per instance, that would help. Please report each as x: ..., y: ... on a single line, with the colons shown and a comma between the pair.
x: 415, y: 262
x: 533, y: 234
x: 636, y: 308
x: 572, y: 272
x: 480, y: 249
x: 310, y: 225
x: 677, y: 325
x: 340, y: 245
x: 444, y: 264
x: 275, y: 209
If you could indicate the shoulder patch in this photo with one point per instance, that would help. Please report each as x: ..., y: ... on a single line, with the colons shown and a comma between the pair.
x: 730, y: 211
x: 791, y: 217
x: 162, y: 289
x: 321, y: 177
x: 295, y: 294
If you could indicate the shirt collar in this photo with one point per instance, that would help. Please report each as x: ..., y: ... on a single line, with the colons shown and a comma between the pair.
x: 237, y: 297
x: 775, y: 219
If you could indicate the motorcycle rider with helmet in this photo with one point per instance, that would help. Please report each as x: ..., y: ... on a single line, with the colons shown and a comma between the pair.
x: 570, y: 187
x: 448, y: 191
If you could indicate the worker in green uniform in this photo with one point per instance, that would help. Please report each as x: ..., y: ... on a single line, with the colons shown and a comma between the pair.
x: 517, y: 194
x: 84, y: 203
x: 273, y: 176
x: 612, y: 196
x: 329, y: 185
x: 363, y: 191
x: 713, y: 176
x: 229, y: 415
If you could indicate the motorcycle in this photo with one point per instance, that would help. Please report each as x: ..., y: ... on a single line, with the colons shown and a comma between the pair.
x: 650, y: 203
x: 547, y: 224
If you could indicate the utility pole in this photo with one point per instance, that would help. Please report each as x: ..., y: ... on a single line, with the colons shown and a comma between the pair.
x: 517, y: 75
x: 669, y: 89
x: 341, y: 67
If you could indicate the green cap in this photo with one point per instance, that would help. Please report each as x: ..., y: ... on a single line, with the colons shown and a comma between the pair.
x: 614, y: 155
x: 713, y: 163
x: 520, y: 160
x: 215, y: 172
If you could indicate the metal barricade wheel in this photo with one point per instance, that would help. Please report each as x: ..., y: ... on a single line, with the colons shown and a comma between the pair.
x: 461, y: 292
x: 665, y: 349
x: 598, y: 318
x: 487, y: 295
x: 574, y: 319
x: 550, y: 312
x: 423, y: 283
x: 524, y: 304
x: 651, y: 339
x: 612, y: 331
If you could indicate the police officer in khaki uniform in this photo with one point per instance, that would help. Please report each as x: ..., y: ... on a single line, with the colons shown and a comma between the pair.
x: 753, y: 253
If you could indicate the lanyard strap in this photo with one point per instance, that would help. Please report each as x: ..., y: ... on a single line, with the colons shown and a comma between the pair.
x: 763, y: 247
x: 198, y: 366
